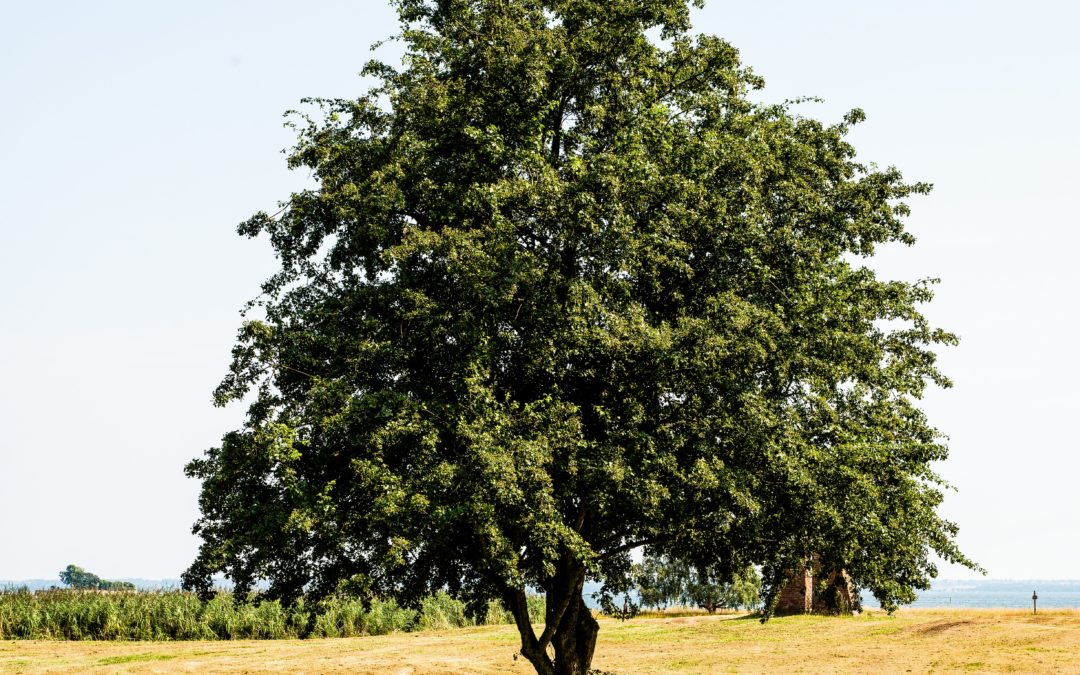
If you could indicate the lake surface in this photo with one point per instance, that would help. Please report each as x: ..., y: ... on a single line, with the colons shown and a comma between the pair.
x: 999, y: 594
x: 1014, y: 594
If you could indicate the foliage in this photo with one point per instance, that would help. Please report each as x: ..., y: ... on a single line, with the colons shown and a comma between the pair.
x: 662, y: 581
x: 705, y: 588
x: 440, y: 611
x: 658, y: 582
x: 77, y: 577
x: 562, y: 290
x: 346, y: 617
x: 175, y: 615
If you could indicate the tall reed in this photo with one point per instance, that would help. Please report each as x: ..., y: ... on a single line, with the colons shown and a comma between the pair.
x: 61, y: 614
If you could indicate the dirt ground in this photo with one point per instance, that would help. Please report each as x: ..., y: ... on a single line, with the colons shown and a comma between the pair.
x: 916, y: 641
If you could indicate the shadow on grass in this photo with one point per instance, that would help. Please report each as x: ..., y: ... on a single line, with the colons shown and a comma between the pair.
x: 752, y: 616
x: 694, y: 613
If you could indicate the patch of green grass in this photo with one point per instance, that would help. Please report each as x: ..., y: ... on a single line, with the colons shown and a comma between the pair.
x: 884, y: 630
x: 686, y: 665
x: 1046, y: 650
x: 133, y: 658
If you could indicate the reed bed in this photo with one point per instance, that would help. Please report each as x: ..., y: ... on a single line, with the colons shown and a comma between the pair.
x: 61, y: 614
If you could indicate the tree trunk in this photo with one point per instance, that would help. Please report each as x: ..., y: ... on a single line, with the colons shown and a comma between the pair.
x: 570, y: 628
x: 575, y: 640
x: 530, y: 646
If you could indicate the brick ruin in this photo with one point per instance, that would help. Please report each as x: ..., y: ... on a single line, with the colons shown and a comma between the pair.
x: 812, y: 590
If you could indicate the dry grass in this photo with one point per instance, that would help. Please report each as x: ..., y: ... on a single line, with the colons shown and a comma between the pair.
x: 912, y: 641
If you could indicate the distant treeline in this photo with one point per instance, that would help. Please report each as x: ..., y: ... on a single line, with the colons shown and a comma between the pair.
x: 77, y: 577
x: 62, y: 614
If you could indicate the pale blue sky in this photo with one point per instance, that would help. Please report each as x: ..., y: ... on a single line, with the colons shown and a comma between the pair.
x: 136, y: 135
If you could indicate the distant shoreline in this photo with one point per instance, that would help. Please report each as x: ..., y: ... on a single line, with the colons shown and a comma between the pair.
x: 1002, y: 594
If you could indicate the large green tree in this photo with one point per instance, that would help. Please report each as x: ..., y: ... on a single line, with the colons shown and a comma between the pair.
x: 563, y: 291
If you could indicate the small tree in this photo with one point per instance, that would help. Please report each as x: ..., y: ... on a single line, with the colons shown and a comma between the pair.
x: 662, y: 581
x: 76, y: 577
x: 709, y: 590
x: 745, y: 590
x: 659, y: 583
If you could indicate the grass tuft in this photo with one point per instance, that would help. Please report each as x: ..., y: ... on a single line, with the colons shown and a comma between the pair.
x: 133, y: 658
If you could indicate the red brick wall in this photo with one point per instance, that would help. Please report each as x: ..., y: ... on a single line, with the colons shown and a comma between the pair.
x: 798, y: 596
x: 833, y: 593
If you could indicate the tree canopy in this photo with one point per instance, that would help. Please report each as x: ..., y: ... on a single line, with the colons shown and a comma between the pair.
x: 561, y: 291
x: 80, y: 579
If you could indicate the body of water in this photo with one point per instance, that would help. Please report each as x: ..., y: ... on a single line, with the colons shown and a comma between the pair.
x: 1009, y: 594
x: 996, y: 594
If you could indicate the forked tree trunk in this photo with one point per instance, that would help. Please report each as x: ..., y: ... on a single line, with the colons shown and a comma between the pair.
x: 570, y: 628
x: 575, y: 640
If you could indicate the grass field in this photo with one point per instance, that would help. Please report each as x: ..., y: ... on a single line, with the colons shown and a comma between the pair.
x: 912, y: 641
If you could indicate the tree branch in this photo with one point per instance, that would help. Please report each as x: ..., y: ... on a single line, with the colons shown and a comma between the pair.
x: 580, y: 520
x: 553, y: 619
x: 632, y: 545
x: 530, y: 646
